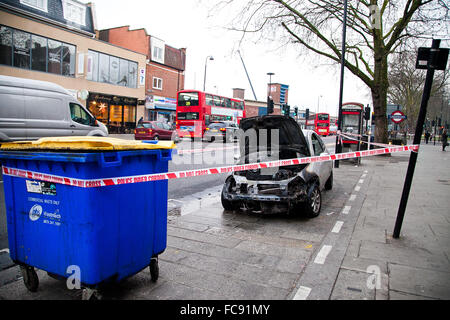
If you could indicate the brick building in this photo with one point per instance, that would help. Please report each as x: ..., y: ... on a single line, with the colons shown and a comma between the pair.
x: 254, y: 108
x: 165, y: 70
x: 54, y: 40
x: 279, y: 93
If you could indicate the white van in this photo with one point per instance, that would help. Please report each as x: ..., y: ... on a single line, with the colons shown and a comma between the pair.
x: 32, y: 109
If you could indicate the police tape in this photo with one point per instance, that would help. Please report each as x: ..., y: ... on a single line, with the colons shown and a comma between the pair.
x: 348, y: 136
x: 106, y: 182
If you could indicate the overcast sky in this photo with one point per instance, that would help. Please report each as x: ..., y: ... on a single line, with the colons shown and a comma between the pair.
x: 189, y: 24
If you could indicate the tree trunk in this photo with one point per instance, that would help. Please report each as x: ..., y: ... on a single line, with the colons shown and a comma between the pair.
x: 379, y: 95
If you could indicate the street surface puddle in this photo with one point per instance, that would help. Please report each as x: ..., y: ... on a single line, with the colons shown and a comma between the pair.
x: 193, y: 203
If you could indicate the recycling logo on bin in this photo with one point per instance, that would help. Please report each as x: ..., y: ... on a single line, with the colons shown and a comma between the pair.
x: 35, y: 212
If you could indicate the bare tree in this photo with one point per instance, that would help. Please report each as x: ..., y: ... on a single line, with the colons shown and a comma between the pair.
x: 375, y: 30
x: 406, y: 87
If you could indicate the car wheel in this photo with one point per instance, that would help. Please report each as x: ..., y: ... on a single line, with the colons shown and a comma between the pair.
x: 227, y: 204
x: 314, y: 203
x: 329, y: 183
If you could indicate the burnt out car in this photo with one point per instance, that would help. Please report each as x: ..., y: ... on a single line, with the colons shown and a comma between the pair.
x: 287, y: 189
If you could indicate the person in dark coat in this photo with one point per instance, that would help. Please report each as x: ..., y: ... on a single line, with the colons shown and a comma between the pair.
x: 427, y: 136
x: 444, y: 139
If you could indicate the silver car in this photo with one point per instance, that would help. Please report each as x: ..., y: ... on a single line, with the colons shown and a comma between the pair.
x: 289, y: 189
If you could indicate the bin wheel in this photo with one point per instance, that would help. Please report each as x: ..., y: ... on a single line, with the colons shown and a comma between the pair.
x: 154, y: 269
x: 30, y: 278
x: 91, y: 294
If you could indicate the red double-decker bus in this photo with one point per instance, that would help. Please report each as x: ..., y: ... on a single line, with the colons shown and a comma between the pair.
x: 320, y: 123
x: 197, y: 109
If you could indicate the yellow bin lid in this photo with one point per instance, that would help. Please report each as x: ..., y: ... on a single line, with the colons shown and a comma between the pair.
x: 85, y: 143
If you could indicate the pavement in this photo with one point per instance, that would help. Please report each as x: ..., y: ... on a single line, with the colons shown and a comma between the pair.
x: 348, y: 252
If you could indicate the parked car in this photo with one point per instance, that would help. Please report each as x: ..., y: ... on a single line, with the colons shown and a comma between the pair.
x: 221, y: 130
x: 32, y: 109
x: 333, y: 130
x: 291, y: 189
x: 155, y: 130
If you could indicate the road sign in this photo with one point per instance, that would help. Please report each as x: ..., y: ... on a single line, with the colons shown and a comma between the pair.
x: 397, y: 116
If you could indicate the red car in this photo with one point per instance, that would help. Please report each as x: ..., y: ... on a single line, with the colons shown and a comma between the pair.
x: 155, y: 130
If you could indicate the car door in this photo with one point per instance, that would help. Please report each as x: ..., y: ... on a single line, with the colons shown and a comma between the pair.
x: 167, y: 131
x: 12, y: 114
x: 322, y: 169
x: 80, y: 120
x: 45, y: 115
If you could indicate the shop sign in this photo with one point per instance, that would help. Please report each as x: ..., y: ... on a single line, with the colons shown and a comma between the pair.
x: 142, y: 77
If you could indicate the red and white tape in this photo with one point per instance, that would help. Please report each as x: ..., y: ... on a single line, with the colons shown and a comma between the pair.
x: 106, y: 182
x: 348, y: 135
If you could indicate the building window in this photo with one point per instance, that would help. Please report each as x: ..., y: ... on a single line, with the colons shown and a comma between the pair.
x: 92, y: 66
x: 68, y: 60
x: 157, y: 50
x: 157, y: 83
x: 114, y: 70
x: 74, y: 12
x: 54, y: 56
x: 39, y: 53
x: 103, y: 72
x: 110, y: 69
x: 157, y: 53
x: 37, y: 4
x: 132, y: 74
x: 5, y: 45
x: 29, y: 51
x: 22, y: 48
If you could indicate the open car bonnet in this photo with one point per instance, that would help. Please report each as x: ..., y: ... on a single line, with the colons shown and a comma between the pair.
x: 291, y: 138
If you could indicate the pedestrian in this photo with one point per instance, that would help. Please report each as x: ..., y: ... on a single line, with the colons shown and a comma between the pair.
x: 444, y: 139
x: 141, y: 120
x: 427, y: 136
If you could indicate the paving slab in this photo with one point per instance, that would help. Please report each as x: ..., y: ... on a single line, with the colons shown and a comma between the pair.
x: 352, y: 285
x: 420, y: 282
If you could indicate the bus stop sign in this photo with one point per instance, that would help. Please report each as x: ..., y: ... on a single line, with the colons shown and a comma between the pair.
x: 397, y: 116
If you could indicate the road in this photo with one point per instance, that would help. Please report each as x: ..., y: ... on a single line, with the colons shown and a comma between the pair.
x: 180, y: 187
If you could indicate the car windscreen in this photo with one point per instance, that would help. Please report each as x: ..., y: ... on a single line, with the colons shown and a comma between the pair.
x: 217, y: 125
x: 188, y: 116
x: 188, y: 99
x: 322, y: 117
x: 144, y: 125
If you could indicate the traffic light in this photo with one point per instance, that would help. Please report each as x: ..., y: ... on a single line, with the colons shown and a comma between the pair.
x: 367, y: 113
x: 439, y: 122
x: 307, y: 114
x: 286, y: 110
x: 270, y: 105
x: 296, y: 111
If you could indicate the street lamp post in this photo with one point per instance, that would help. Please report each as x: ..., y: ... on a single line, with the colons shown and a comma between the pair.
x: 318, y: 98
x: 269, y: 87
x: 206, y: 63
x: 270, y: 74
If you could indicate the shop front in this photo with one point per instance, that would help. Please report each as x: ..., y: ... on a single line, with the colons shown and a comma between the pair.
x: 161, y: 109
x: 116, y: 112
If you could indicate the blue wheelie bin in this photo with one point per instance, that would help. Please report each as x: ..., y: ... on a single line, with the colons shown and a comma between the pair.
x: 108, y: 232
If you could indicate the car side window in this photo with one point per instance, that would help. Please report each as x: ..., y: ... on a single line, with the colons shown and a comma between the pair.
x: 79, y: 115
x: 317, y: 146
